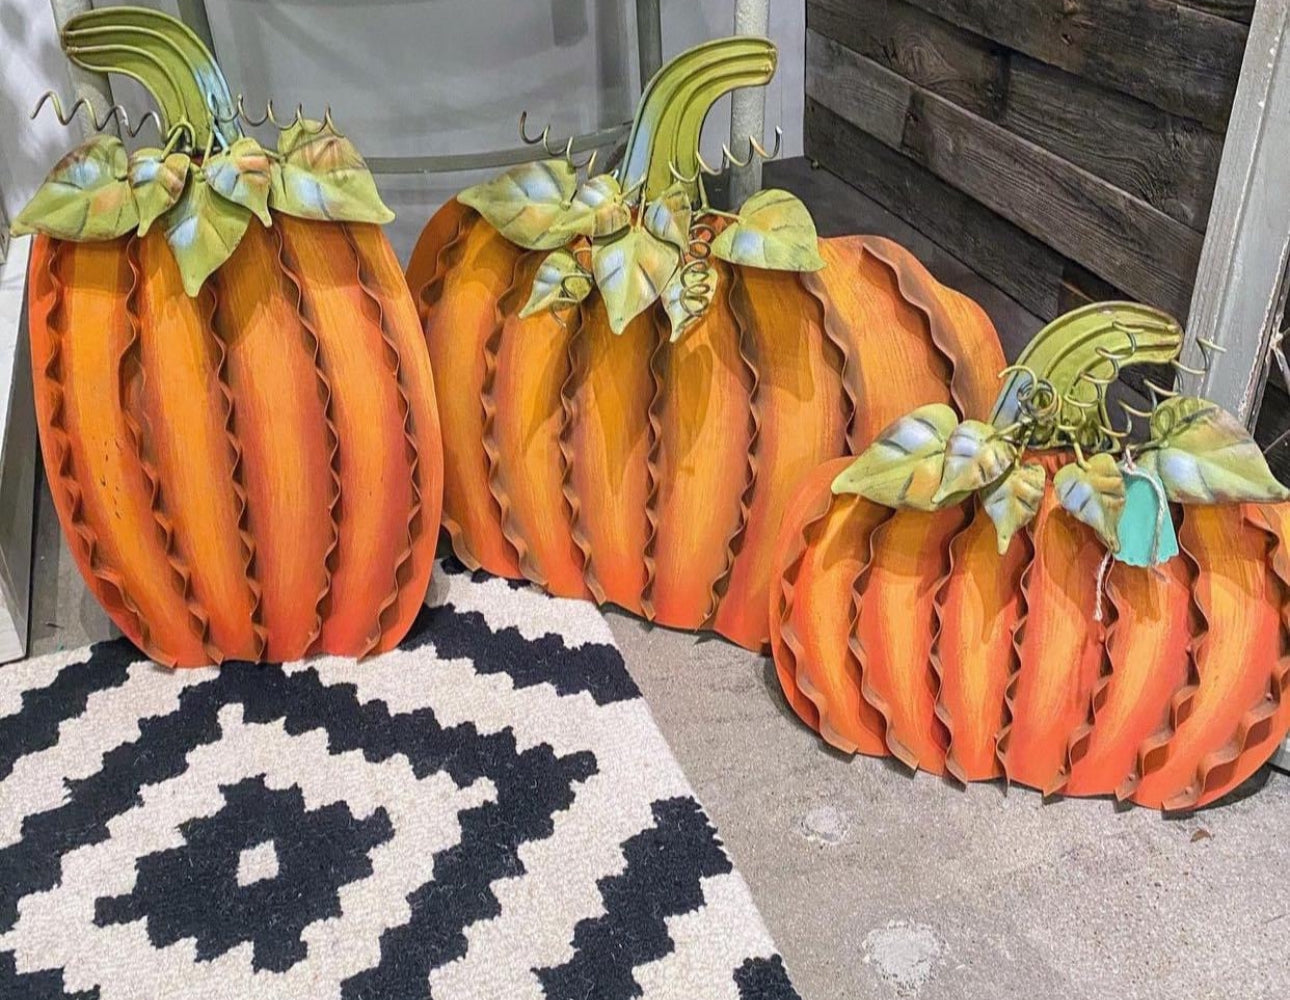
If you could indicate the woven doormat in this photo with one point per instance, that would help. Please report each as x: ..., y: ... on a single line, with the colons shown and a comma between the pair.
x: 487, y: 812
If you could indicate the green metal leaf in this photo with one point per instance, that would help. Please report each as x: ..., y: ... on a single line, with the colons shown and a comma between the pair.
x: 631, y: 273
x: 1013, y: 502
x: 975, y: 456
x: 322, y: 176
x: 687, y: 297
x: 203, y: 230
x: 597, y: 211
x: 668, y: 216
x: 528, y: 203
x: 1093, y: 494
x: 86, y: 196
x: 1203, y: 454
x: 560, y: 281
x: 1145, y: 533
x: 157, y: 182
x: 903, y: 467
x: 774, y: 231
x: 242, y: 175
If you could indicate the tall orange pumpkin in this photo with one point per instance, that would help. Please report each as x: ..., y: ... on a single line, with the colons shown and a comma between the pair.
x: 631, y: 384
x: 1055, y: 659
x: 236, y: 409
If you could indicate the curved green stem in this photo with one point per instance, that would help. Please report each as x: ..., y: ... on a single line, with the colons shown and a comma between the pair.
x: 664, y: 142
x: 1081, y: 353
x: 166, y: 57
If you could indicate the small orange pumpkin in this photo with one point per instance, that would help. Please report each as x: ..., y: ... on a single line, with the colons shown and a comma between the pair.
x: 912, y: 633
x: 640, y: 453
x: 237, y: 416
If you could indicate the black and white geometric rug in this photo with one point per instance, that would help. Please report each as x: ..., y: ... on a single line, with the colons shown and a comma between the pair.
x: 487, y: 812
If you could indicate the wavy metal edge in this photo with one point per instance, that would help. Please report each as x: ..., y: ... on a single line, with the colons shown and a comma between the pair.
x: 939, y: 591
x: 130, y: 365
x: 734, y: 543
x: 332, y: 554
x: 933, y: 310
x: 848, y: 369
x: 572, y: 411
x: 64, y: 465
x: 818, y: 513
x: 1027, y: 535
x: 661, y: 347
x: 403, y: 563
x: 427, y: 297
x: 1255, y: 716
x: 503, y: 308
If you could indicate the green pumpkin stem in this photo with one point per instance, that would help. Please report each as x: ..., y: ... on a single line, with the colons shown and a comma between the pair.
x: 168, y: 59
x: 663, y: 149
x: 1066, y: 370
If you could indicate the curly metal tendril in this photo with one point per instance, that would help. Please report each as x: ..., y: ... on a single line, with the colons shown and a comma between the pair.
x: 116, y: 112
x: 241, y: 114
x: 555, y: 152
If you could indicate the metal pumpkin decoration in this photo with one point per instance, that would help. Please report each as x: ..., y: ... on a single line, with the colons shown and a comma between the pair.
x: 632, y: 383
x: 1078, y: 623
x: 235, y: 405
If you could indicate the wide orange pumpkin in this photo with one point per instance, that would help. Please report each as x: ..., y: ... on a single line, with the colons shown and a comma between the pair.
x: 907, y: 632
x: 642, y: 452
x: 237, y: 416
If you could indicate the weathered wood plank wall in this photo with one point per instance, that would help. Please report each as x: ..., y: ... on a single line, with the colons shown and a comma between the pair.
x: 1065, y: 149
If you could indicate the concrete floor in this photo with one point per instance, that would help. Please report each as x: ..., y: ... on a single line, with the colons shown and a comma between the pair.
x: 876, y: 884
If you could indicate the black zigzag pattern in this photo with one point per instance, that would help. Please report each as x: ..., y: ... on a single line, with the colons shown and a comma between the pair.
x: 195, y: 890
x: 665, y: 865
x: 35, y: 726
x: 596, y: 668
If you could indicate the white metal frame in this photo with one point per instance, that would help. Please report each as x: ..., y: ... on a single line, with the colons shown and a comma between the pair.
x: 18, y: 451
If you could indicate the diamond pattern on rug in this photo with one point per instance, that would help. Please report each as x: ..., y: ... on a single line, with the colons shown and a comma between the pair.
x: 487, y: 811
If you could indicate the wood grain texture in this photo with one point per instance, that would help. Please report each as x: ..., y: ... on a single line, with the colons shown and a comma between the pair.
x: 1021, y: 265
x: 967, y: 69
x: 1240, y: 11
x: 1176, y: 57
x: 1149, y: 254
x: 1167, y: 160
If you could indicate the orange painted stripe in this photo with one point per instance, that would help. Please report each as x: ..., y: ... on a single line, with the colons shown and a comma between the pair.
x: 375, y: 473
x: 280, y: 424
x: 1148, y: 646
x: 1236, y: 657
x: 115, y: 499
x: 980, y: 608
x: 532, y: 368
x: 404, y: 329
x: 460, y: 313
x: 820, y: 621
x: 803, y: 414
x: 1061, y: 651
x: 897, y: 364
x: 702, y: 462
x: 609, y: 443
x: 182, y: 414
x: 895, y: 630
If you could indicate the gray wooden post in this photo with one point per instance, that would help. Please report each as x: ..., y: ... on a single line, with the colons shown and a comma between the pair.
x: 94, y: 87
x: 748, y: 107
x: 1239, y: 296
